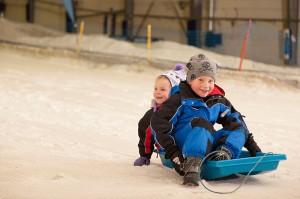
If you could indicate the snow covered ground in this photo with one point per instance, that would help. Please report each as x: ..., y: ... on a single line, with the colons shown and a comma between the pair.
x: 68, y: 129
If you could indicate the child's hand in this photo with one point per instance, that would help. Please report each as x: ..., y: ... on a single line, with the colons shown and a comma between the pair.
x: 176, y: 160
x: 231, y: 124
x: 178, y: 164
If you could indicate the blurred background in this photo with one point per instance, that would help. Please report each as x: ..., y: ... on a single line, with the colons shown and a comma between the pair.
x: 215, y: 25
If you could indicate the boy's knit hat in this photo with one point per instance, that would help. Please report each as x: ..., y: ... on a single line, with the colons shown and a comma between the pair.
x: 175, y: 75
x: 201, y: 65
x: 198, y: 57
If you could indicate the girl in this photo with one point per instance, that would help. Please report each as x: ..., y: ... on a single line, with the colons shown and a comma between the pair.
x: 165, y: 84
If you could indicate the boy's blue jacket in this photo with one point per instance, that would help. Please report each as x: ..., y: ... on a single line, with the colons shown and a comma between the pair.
x: 183, y: 107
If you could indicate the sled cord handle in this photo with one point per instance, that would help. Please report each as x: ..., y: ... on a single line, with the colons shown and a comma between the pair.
x: 245, y: 178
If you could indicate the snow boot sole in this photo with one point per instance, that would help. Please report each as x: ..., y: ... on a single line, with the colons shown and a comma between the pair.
x: 191, y: 179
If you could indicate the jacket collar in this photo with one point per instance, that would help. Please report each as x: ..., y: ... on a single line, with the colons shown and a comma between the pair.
x: 187, y: 92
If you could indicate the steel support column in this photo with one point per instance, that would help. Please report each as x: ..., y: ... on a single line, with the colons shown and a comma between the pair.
x: 194, y: 24
x: 128, y: 22
x: 292, y: 25
x: 30, y: 11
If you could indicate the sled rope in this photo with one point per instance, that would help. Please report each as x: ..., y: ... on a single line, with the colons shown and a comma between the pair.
x: 245, y: 178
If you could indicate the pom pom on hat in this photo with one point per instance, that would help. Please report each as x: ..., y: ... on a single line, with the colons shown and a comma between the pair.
x: 176, y: 75
x: 179, y: 66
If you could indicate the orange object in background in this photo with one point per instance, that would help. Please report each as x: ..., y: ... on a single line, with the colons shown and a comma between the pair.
x: 244, y: 45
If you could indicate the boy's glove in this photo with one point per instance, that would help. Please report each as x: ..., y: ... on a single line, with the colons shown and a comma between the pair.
x: 252, y: 146
x: 231, y: 124
x: 141, y: 161
x: 177, y: 161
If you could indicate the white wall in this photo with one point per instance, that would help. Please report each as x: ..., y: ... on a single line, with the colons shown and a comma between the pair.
x: 16, y: 10
x: 50, y: 16
x: 264, y: 41
x: 94, y: 25
x: 263, y: 45
x: 162, y: 28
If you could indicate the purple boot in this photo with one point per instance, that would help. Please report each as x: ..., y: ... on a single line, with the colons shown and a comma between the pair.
x: 141, y: 161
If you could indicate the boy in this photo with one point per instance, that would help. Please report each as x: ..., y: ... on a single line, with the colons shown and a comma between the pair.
x: 184, y: 125
x: 165, y: 84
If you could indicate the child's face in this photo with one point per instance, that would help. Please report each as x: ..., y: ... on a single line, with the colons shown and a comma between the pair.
x: 203, y: 85
x: 162, y: 89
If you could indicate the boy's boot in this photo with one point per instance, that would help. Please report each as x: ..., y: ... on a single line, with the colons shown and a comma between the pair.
x: 191, y: 168
x: 222, y: 153
x: 252, y: 146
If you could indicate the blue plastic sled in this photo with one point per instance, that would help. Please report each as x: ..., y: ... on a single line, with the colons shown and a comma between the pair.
x: 218, y: 169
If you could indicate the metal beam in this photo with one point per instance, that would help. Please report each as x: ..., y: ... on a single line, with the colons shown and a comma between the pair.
x: 245, y: 19
x: 112, y: 23
x: 144, y: 18
x: 293, y: 13
x: 194, y: 23
x: 129, y: 12
x: 177, y: 14
x: 30, y: 11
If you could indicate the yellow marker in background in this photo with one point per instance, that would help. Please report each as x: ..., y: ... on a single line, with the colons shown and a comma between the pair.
x: 80, y: 35
x: 149, y: 40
